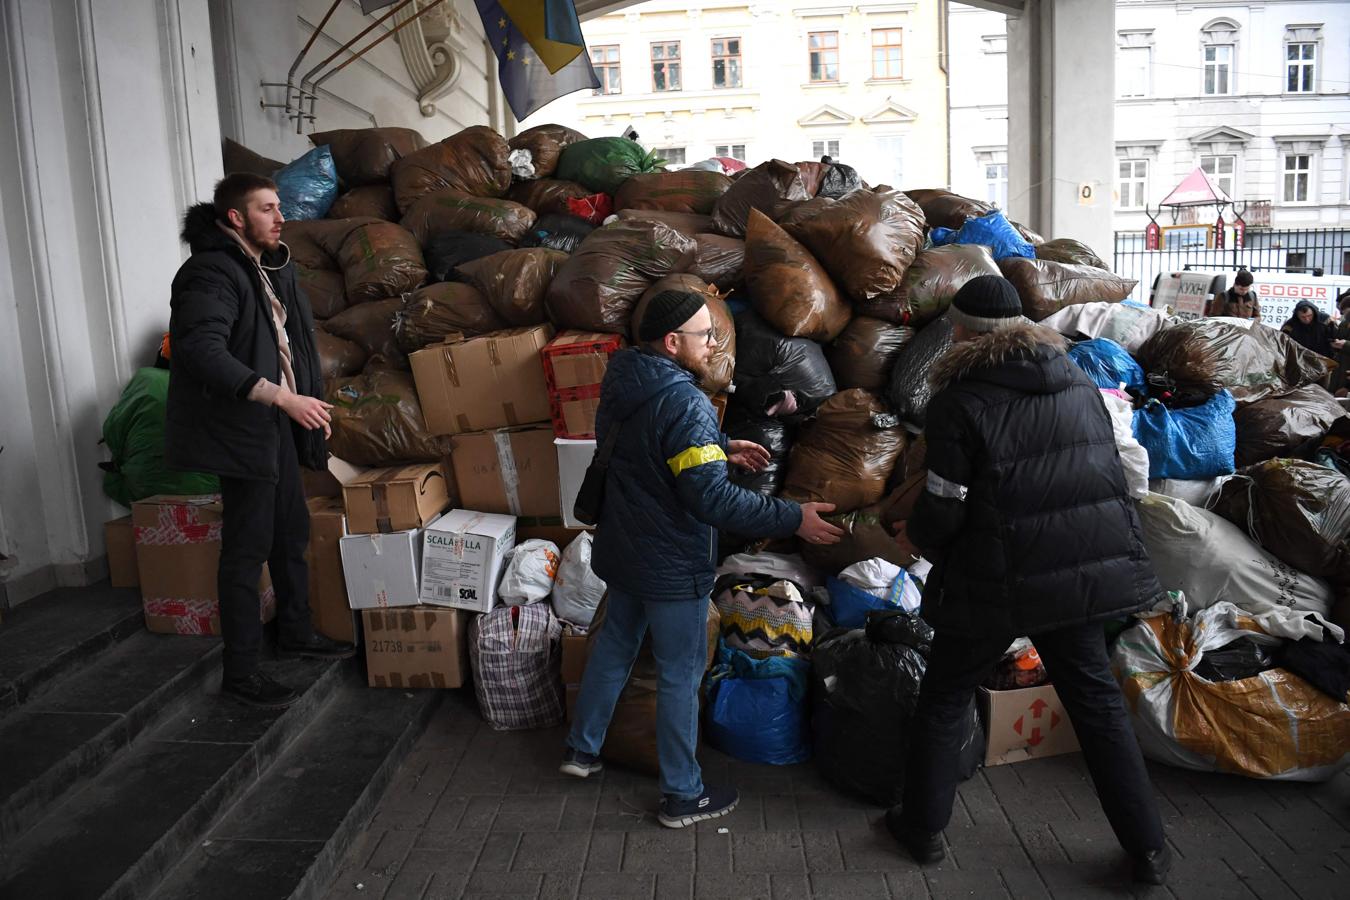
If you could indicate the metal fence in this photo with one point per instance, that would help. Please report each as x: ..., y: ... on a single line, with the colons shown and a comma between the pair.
x: 1310, y: 251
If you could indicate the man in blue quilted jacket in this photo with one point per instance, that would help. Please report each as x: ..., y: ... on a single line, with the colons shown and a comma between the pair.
x: 666, y: 496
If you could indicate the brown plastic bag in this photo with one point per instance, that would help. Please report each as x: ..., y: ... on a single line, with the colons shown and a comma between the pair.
x: 1297, y: 510
x: 866, y: 241
x: 791, y: 213
x: 515, y: 281
x: 813, y: 173
x: 377, y: 421
x: 437, y: 311
x: 759, y: 188
x: 1067, y: 250
x: 371, y: 325
x: 381, y: 260
x: 719, y: 260
x: 686, y: 191
x: 1284, y: 425
x: 930, y: 283
x: 364, y: 155
x: 372, y: 201
x: 864, y: 354
x: 324, y: 289
x: 238, y: 158
x: 943, y: 209
x: 846, y: 455
x: 788, y: 287
x: 1251, y: 363
x: 474, y: 162
x: 687, y: 224
x: 867, y: 535
x: 547, y: 196
x: 596, y: 288
x: 1047, y: 287
x: 338, y: 357
x: 545, y: 143
x: 722, y: 364
x: 316, y: 243
x: 455, y: 211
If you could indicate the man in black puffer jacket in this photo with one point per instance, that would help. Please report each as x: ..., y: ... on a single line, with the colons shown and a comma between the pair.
x: 244, y: 403
x: 1031, y: 532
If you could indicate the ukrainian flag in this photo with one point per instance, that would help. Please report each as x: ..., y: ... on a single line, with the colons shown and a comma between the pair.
x: 541, y: 54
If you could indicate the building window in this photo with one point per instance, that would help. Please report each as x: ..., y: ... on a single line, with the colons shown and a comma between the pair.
x: 666, y: 66
x: 1218, y: 69
x: 996, y: 184
x: 825, y: 148
x: 1300, y: 68
x: 887, y: 53
x: 1134, y: 70
x: 1296, y: 262
x: 1133, y: 185
x: 726, y: 57
x: 730, y: 151
x: 889, y: 164
x: 674, y: 156
x: 1220, y: 170
x: 1297, y: 174
x: 823, y: 47
x: 605, y: 59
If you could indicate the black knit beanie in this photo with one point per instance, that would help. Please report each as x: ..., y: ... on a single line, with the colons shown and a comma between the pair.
x: 666, y: 312
x: 987, y: 303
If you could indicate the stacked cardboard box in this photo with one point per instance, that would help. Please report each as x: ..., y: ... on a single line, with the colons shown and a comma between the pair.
x: 493, y: 381
x: 574, y: 367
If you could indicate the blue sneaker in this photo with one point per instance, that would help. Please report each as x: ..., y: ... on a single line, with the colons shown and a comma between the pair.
x: 580, y: 764
x: 712, y: 803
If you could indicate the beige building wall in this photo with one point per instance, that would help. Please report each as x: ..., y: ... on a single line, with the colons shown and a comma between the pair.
x: 892, y: 129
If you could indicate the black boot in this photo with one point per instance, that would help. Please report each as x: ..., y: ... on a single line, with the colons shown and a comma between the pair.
x: 925, y: 846
x: 317, y: 647
x: 1152, y: 867
x: 258, y: 690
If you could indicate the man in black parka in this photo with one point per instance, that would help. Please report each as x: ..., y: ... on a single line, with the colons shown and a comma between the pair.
x: 1031, y: 532
x: 244, y: 404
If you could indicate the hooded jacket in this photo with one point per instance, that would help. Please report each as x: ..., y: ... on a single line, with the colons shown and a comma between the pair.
x: 667, y: 491
x: 1316, y: 335
x: 1025, y: 514
x: 222, y: 340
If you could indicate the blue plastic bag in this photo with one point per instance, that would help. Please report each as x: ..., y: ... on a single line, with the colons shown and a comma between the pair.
x: 757, y: 712
x: 850, y: 605
x: 1108, y: 364
x: 308, y: 186
x: 1194, y: 443
x: 993, y: 230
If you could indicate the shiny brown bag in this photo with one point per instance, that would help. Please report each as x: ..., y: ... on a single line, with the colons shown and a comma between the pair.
x: 473, y: 161
x: 515, y: 282
x: 845, y: 455
x: 788, y: 287
x: 433, y: 313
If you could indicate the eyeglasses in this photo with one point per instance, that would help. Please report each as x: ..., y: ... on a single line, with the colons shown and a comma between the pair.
x: 706, y: 335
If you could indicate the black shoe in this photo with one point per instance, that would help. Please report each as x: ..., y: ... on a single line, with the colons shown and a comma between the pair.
x: 317, y: 647
x: 713, y: 802
x: 259, y: 690
x: 925, y: 846
x: 1153, y: 866
x: 580, y: 765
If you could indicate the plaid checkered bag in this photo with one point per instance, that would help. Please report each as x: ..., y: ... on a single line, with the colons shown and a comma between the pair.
x: 516, y: 654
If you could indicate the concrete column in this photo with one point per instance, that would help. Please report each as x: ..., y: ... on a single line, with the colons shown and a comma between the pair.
x: 1061, y: 119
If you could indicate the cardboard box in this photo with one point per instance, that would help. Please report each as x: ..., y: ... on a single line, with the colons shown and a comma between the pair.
x: 577, y: 359
x: 573, y: 412
x: 574, y: 457
x: 462, y: 558
x: 575, y: 649
x: 328, y: 608
x: 417, y: 647
x: 382, y: 570
x: 395, y: 499
x: 511, y: 471
x: 492, y: 381
x: 1027, y: 723
x: 119, y: 535
x: 177, y: 559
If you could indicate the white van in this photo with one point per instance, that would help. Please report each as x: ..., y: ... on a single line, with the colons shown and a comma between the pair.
x: 1186, y: 293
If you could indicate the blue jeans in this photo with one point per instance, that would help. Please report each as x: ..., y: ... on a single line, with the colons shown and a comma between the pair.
x: 680, y: 645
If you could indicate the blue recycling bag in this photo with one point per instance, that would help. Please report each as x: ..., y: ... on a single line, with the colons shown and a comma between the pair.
x: 993, y: 230
x: 850, y: 605
x: 1193, y: 443
x: 757, y: 710
x: 1108, y: 364
x: 308, y: 186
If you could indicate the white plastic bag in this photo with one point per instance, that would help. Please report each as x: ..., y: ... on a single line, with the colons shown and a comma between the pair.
x: 577, y: 589
x: 1196, y: 492
x: 522, y: 164
x: 1125, y: 323
x: 1133, y: 456
x: 530, y: 570
x: 787, y: 566
x: 885, y: 581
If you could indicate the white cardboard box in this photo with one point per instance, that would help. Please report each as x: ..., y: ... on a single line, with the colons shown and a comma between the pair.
x: 574, y: 457
x: 382, y: 570
x: 462, y: 557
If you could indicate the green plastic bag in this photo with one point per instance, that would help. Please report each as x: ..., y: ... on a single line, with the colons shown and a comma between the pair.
x: 602, y: 164
x: 134, y: 433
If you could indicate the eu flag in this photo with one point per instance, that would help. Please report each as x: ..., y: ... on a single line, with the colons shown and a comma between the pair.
x: 540, y: 56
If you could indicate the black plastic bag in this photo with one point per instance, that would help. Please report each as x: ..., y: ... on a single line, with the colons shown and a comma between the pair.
x: 774, y: 435
x: 776, y: 375
x: 557, y: 232
x: 447, y: 250
x: 838, y: 180
x: 1235, y: 661
x: 910, y: 391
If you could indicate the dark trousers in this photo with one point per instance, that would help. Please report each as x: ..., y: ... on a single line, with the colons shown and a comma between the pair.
x: 1076, y: 661
x: 263, y: 523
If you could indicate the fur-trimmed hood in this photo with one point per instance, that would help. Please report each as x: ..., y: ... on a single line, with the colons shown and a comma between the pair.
x: 1028, y: 357
x: 202, y: 232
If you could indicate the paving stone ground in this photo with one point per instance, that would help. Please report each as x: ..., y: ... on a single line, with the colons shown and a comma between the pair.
x: 478, y: 813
